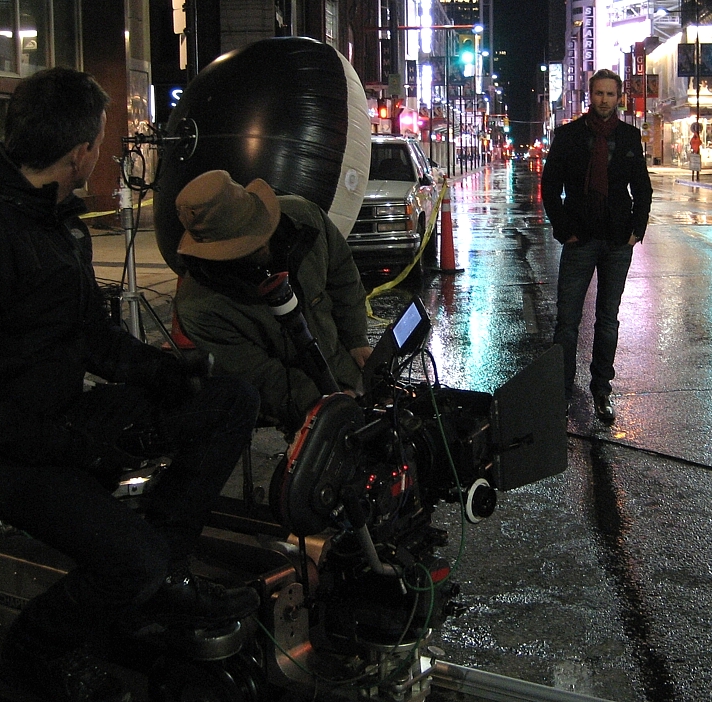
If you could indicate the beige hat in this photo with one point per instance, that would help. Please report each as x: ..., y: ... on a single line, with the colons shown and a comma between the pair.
x: 223, y: 220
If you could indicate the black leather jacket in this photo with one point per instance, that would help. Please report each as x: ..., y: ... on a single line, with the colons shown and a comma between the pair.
x: 629, y: 190
x: 53, y: 323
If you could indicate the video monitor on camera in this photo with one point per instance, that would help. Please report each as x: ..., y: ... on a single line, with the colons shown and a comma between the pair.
x: 401, y: 339
x: 411, y: 328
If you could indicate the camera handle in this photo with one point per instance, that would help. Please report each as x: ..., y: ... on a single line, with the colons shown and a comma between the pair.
x: 285, y: 307
x: 357, y: 518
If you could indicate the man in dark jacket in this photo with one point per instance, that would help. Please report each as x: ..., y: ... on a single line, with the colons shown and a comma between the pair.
x: 597, y: 162
x: 235, y: 237
x: 62, y: 448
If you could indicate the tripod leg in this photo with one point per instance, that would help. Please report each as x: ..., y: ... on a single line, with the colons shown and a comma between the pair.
x: 162, y: 327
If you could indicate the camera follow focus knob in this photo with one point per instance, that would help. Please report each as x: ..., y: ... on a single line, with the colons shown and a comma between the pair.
x: 480, y: 501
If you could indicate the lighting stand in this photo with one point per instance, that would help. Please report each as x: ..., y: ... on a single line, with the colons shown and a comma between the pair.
x: 135, y: 299
x: 185, y: 141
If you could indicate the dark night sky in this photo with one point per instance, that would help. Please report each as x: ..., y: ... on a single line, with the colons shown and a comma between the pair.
x: 520, y: 28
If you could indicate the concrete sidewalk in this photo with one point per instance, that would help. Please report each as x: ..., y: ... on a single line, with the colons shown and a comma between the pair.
x: 684, y: 176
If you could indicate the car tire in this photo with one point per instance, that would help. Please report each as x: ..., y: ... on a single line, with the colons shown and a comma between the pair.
x: 430, y: 253
x: 418, y: 271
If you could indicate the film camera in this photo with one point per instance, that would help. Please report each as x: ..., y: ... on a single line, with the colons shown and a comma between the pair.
x: 345, y: 555
x: 357, y: 491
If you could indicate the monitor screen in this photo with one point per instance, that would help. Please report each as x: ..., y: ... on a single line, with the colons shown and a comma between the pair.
x: 411, y: 327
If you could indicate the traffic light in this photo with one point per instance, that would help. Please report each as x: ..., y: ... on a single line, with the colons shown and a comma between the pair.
x: 382, y: 109
x: 396, y: 121
x: 467, y: 55
x: 467, y: 49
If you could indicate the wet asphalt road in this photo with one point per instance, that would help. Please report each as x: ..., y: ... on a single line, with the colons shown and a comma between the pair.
x: 596, y: 580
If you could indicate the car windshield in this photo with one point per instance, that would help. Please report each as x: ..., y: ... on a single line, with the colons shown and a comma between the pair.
x: 391, y: 162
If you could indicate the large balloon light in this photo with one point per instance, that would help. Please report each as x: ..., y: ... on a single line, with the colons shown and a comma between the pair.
x: 289, y: 110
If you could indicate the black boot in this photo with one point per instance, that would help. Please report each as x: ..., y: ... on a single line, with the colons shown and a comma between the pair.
x: 604, y: 408
x: 30, y: 662
x: 185, y: 600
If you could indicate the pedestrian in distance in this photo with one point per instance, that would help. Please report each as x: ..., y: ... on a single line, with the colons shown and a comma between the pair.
x: 596, y: 162
x: 63, y: 448
x: 235, y: 238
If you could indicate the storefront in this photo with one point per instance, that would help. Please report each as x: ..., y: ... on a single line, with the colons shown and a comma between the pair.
x: 679, y: 103
x: 108, y: 39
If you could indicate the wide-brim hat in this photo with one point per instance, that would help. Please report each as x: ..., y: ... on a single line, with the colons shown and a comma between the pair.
x: 223, y: 220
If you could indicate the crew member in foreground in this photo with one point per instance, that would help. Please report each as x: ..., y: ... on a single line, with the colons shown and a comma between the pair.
x: 63, y: 449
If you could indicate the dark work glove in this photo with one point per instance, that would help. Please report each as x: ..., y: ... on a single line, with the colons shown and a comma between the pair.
x: 175, y: 381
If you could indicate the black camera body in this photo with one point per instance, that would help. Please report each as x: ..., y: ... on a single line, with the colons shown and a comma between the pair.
x: 363, y: 478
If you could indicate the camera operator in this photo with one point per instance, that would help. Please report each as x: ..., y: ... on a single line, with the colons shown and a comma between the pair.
x: 235, y: 238
x: 62, y: 448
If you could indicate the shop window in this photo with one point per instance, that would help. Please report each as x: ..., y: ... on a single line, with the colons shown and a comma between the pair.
x: 66, y: 33
x: 34, y: 36
x: 331, y: 12
x: 8, y: 54
x: 47, y: 35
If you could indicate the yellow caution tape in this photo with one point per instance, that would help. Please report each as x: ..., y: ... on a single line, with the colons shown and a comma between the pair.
x: 404, y: 273
x: 93, y: 215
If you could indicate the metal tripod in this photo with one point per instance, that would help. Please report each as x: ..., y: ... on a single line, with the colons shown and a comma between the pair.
x: 133, y: 297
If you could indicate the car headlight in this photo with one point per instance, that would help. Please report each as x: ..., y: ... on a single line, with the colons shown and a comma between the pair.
x: 391, y: 210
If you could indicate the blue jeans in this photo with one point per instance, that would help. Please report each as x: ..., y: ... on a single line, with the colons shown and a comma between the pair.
x: 576, y: 267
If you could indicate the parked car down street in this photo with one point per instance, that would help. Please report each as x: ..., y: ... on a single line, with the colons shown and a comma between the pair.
x: 400, y: 196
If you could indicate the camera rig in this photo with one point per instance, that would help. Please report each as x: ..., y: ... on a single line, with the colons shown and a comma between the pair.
x: 346, y: 554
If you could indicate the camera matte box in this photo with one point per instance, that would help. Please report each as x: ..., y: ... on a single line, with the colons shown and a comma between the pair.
x: 528, y: 415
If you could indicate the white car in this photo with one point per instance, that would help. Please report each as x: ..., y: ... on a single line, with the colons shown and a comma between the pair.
x: 401, y: 193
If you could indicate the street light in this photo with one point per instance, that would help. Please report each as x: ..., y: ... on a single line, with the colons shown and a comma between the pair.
x: 697, y: 84
x: 477, y: 31
x: 665, y: 23
x: 685, y: 22
x: 689, y: 61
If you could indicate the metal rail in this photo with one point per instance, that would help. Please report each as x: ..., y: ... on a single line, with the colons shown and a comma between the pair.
x: 498, y: 688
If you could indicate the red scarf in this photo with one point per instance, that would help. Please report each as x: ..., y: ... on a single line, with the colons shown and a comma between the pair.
x: 597, y: 174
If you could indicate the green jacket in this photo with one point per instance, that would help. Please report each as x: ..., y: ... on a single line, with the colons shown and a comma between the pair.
x: 229, y: 320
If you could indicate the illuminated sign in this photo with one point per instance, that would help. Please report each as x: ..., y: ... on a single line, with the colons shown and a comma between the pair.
x: 174, y: 95
x: 556, y: 81
x: 588, y: 39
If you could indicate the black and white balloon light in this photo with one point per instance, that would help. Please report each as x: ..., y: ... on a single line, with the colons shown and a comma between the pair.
x: 289, y: 110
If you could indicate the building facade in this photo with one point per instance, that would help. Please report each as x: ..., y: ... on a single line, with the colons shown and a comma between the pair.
x: 110, y: 40
x: 140, y: 53
x: 660, y: 48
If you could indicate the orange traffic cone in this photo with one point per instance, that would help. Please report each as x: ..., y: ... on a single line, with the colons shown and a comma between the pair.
x: 177, y: 334
x: 447, y: 248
